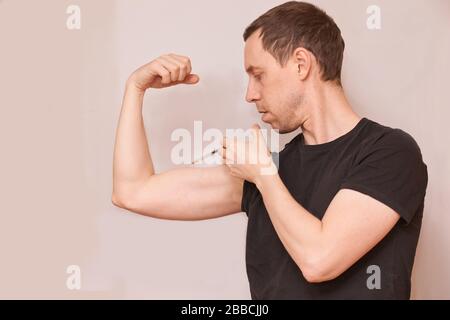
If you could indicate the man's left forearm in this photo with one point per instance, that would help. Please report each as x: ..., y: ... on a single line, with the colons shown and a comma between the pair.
x: 299, y: 230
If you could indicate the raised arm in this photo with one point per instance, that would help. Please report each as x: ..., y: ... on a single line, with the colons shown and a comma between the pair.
x: 180, y: 194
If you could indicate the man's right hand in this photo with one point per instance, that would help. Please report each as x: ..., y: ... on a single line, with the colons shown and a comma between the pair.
x: 165, y: 71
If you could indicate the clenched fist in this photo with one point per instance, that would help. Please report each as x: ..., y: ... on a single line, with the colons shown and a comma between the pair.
x: 165, y: 71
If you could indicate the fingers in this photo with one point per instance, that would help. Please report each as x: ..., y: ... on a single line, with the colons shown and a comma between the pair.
x: 223, y: 150
x: 257, y: 134
x: 179, y: 69
x: 184, y: 60
x: 228, y: 150
x: 163, y: 72
x: 249, y: 150
x: 172, y: 66
x: 260, y: 140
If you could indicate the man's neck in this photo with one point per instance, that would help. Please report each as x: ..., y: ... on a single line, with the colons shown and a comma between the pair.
x: 329, y: 115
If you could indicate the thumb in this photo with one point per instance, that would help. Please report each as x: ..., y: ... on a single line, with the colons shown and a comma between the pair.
x: 256, y: 131
x: 258, y: 135
x: 191, y: 79
x: 256, y: 128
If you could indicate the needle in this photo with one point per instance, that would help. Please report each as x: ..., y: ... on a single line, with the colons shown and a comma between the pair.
x: 206, y: 156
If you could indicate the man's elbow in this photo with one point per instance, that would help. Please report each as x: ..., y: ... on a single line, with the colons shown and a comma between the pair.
x: 319, y: 270
x: 123, y: 195
x: 120, y: 200
x: 314, y: 276
x: 116, y: 200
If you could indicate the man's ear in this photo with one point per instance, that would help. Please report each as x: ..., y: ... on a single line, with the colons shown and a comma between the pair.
x: 303, y: 61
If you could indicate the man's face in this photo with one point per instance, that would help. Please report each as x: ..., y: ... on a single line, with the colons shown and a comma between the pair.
x: 276, y: 90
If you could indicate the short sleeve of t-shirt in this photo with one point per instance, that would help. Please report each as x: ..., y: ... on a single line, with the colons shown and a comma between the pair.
x: 391, y: 170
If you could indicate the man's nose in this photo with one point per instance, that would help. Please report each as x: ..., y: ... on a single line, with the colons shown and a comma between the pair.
x: 252, y: 95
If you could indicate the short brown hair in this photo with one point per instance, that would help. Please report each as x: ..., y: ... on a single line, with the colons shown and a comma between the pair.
x: 299, y: 24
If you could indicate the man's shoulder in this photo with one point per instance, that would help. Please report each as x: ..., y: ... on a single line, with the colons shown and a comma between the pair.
x: 382, y: 136
x: 389, y: 146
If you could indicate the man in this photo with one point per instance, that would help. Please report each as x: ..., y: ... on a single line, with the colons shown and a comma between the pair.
x: 341, y: 217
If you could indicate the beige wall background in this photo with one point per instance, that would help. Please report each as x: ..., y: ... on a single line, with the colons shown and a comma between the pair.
x: 60, y: 97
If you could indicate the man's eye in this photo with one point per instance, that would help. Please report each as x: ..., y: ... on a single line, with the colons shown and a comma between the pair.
x: 258, y: 76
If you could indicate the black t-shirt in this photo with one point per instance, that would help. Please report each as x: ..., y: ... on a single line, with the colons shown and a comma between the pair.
x: 379, y: 161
